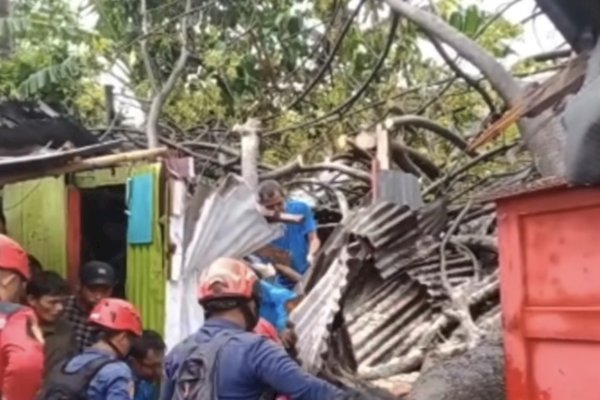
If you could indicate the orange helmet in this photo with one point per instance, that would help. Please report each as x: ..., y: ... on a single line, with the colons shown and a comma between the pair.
x: 227, y: 278
x: 265, y: 328
x: 117, y: 315
x: 13, y: 258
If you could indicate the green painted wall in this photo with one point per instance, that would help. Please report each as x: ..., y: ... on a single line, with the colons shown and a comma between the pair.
x: 146, y: 267
x: 36, y: 216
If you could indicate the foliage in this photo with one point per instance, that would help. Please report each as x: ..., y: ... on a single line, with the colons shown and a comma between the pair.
x: 254, y: 59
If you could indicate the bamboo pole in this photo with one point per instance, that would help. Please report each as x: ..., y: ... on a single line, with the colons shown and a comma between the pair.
x: 86, y: 164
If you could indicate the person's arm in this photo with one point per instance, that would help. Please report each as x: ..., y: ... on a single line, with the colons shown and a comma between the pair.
x: 23, y: 349
x: 271, y: 365
x: 310, y: 230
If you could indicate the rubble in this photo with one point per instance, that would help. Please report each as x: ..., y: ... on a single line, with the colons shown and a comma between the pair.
x: 397, y: 292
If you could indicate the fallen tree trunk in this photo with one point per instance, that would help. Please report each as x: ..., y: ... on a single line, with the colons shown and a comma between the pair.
x: 476, y: 375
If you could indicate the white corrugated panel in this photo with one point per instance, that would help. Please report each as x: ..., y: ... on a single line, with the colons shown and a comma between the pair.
x: 230, y: 225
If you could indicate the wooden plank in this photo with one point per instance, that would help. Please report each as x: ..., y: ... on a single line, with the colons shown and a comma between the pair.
x: 102, y: 177
x: 383, y: 147
x: 36, y: 216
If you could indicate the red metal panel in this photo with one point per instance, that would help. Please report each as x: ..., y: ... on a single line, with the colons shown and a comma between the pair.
x: 73, y: 234
x: 550, y: 274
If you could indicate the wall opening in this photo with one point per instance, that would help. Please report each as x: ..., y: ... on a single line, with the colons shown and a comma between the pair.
x: 104, y: 230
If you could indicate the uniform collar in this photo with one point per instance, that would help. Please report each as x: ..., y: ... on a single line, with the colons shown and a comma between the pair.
x: 222, y: 324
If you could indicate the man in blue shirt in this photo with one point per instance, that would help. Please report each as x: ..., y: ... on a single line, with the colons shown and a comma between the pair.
x: 300, y: 240
x: 146, y: 360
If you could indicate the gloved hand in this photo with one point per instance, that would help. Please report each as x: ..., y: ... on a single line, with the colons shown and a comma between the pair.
x: 310, y: 258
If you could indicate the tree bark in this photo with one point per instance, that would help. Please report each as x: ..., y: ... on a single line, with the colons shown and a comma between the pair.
x: 544, y: 135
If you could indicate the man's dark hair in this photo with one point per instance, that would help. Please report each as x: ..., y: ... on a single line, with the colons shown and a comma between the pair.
x: 34, y: 265
x: 47, y: 283
x: 269, y: 189
x: 150, y: 340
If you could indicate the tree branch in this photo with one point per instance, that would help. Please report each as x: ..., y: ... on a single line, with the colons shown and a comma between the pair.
x: 298, y: 167
x: 148, y: 64
x: 163, y: 93
x: 426, y: 123
x: 499, y: 77
x: 462, y: 74
x: 330, y: 57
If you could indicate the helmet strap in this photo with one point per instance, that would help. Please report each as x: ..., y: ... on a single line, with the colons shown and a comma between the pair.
x: 115, y: 349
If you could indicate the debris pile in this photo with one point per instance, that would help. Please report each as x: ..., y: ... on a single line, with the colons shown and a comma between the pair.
x: 396, y: 291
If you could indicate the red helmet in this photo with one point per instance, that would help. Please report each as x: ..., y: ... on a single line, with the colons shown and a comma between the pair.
x: 13, y: 258
x: 227, y: 278
x: 265, y: 328
x: 117, y: 315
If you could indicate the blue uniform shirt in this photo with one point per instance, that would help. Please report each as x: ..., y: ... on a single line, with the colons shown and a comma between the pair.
x: 114, y: 381
x: 295, y: 238
x: 145, y: 390
x: 272, y: 303
x: 248, y: 366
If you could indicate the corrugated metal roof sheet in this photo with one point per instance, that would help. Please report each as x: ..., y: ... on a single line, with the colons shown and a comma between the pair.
x: 393, y: 296
x: 380, y: 325
x: 314, y: 315
x: 230, y: 225
x: 52, y: 159
x: 391, y: 230
x: 400, y: 188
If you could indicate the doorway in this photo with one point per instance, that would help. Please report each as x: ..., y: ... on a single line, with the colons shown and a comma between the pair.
x: 104, y: 230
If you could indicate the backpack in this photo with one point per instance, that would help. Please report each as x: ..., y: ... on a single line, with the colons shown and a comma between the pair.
x: 63, y: 385
x: 196, y: 378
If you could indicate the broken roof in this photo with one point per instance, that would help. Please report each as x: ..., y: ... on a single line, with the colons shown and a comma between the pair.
x: 11, y: 167
x: 376, y: 288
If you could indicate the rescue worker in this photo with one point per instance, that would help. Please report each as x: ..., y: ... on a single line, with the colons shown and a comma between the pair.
x: 46, y: 295
x: 248, y: 365
x: 101, y: 371
x: 96, y: 282
x: 21, y: 342
x: 300, y: 240
x: 146, y: 360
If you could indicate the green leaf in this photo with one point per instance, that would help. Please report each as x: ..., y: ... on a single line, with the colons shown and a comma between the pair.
x: 473, y: 20
x: 52, y: 74
x: 457, y: 20
x: 294, y: 25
